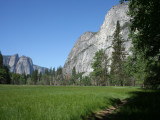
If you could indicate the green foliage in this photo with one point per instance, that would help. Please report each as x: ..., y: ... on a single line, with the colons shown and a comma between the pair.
x: 74, y: 78
x: 54, y: 72
x: 35, y: 76
x: 4, y: 72
x: 1, y: 59
x: 86, y: 81
x: 45, y: 79
x: 146, y: 22
x: 146, y: 37
x: 56, y: 103
x: 59, y: 76
x: 73, y: 71
x: 99, y: 65
x: 134, y: 70
x: 4, y: 75
x: 152, y: 70
x: 16, y: 78
x: 118, y: 56
x: 40, y: 77
x: 59, y: 71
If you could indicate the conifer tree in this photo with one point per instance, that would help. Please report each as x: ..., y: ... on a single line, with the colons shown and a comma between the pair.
x: 73, y: 79
x: 54, y: 72
x: 117, y: 56
x: 73, y: 71
x: 35, y: 76
x: 99, y: 66
x: 4, y: 72
x: 1, y: 60
x: 59, y: 75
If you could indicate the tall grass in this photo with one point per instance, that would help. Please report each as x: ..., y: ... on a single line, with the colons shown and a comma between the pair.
x: 56, y: 103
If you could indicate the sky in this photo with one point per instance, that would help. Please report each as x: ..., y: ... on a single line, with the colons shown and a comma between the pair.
x: 46, y: 30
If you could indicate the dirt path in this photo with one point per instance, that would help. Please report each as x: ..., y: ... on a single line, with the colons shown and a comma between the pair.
x: 102, y: 115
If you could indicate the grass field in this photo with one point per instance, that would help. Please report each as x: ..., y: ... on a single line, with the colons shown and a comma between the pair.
x: 56, y: 103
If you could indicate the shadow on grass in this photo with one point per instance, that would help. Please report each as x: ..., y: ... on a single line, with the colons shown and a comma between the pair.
x: 143, y: 105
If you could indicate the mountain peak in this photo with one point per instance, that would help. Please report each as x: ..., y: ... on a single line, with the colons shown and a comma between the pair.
x: 21, y: 64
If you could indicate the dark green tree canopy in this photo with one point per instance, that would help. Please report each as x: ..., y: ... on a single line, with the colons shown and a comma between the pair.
x: 145, y: 33
x: 73, y: 71
x: 4, y: 72
x: 146, y: 22
x: 1, y: 59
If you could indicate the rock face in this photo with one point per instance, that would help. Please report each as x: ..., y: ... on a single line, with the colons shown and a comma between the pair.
x: 21, y: 65
x: 24, y: 65
x: 13, y: 62
x: 39, y: 68
x: 81, y: 55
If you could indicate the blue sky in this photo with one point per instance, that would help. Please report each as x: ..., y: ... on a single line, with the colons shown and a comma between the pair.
x: 46, y: 30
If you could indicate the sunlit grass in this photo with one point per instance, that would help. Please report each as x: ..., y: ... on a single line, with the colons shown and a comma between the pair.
x: 56, y: 103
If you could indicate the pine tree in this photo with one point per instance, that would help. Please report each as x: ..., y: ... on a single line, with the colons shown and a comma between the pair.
x: 40, y: 76
x: 73, y: 78
x: 54, y: 72
x: 73, y: 71
x: 117, y: 56
x: 99, y: 65
x: 35, y: 76
x: 1, y: 60
x: 59, y: 75
x: 4, y: 72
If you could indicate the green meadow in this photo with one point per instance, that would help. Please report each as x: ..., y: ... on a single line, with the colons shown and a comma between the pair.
x: 57, y: 102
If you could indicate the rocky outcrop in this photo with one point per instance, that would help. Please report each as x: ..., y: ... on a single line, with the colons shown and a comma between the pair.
x: 39, y: 68
x: 24, y: 65
x: 13, y: 62
x: 6, y: 60
x: 21, y: 65
x: 81, y: 55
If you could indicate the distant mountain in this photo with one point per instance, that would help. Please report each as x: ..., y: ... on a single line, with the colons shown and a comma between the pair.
x: 21, y: 64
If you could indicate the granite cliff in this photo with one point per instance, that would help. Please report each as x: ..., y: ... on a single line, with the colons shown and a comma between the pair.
x: 81, y: 55
x: 21, y: 64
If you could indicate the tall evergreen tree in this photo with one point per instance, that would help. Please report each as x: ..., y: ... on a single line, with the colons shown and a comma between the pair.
x: 59, y: 75
x: 74, y: 71
x: 4, y: 72
x: 99, y: 65
x: 54, y: 72
x: 35, y: 76
x: 1, y: 59
x: 39, y: 77
x: 118, y: 55
x: 73, y: 78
